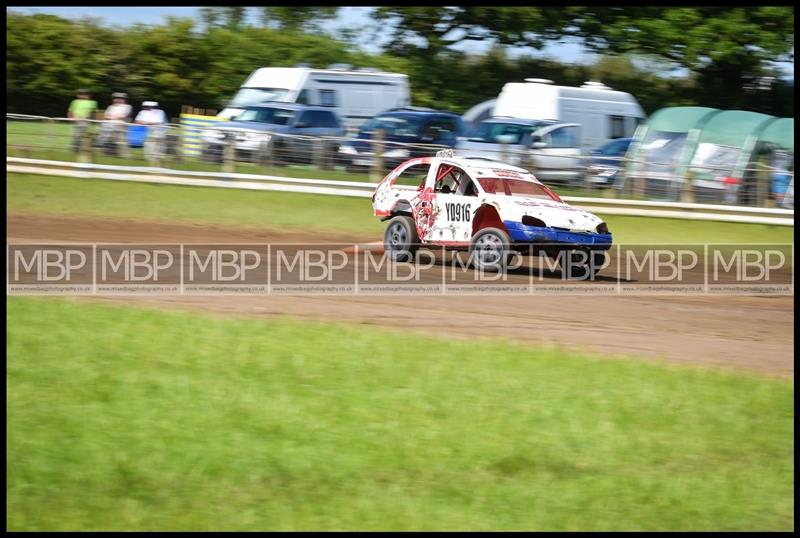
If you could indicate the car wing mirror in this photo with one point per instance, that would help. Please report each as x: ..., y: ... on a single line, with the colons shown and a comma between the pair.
x: 538, y: 145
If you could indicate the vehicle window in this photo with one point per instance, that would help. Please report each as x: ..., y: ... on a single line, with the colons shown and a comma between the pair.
x: 306, y: 117
x: 415, y: 175
x: 274, y: 116
x: 469, y: 187
x: 617, y: 126
x: 614, y: 149
x: 517, y: 187
x: 327, y: 97
x: 394, y: 125
x: 448, y: 179
x: 443, y: 128
x: 303, y: 98
x: 564, y: 137
x: 495, y: 133
x: 252, y: 96
x: 326, y: 119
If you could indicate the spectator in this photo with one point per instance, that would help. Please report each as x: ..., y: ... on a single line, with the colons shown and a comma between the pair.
x: 81, y: 111
x: 114, y: 130
x: 156, y: 122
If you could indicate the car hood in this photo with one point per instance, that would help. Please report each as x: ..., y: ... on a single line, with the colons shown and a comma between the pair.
x: 554, y: 214
x: 252, y: 125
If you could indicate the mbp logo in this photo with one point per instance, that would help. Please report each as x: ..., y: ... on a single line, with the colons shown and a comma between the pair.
x: 49, y: 267
x: 136, y: 268
x: 224, y: 267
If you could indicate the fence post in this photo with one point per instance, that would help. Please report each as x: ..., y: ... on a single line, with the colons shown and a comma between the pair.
x: 377, y: 163
x: 763, y: 182
x: 229, y: 153
x: 265, y: 151
x: 51, y: 133
x: 687, y: 192
x: 85, y: 153
x: 316, y: 152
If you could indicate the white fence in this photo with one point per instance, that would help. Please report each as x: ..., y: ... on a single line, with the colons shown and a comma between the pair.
x: 607, y: 206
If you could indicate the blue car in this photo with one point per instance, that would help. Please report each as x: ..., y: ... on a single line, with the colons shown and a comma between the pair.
x: 407, y: 131
x: 604, y: 163
x: 281, y: 121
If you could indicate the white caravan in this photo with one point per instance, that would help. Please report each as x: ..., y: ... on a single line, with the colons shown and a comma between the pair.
x: 604, y: 114
x: 355, y: 95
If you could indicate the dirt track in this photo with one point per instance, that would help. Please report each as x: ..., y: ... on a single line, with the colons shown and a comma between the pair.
x: 740, y: 332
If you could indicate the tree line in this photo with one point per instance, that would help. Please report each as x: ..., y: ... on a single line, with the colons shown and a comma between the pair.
x: 725, y: 53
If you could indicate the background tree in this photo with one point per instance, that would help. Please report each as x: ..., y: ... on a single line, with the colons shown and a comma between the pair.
x: 297, y: 18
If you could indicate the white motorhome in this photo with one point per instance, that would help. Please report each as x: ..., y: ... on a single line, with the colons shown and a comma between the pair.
x: 355, y: 95
x: 604, y: 114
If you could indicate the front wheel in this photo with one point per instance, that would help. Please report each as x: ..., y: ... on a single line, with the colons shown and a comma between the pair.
x: 400, y: 242
x: 489, y: 249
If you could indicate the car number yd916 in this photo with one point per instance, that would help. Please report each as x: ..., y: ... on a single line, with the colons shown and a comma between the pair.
x: 458, y: 212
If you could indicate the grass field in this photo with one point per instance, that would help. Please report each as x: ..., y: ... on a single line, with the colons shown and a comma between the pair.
x: 120, y: 418
x: 54, y: 195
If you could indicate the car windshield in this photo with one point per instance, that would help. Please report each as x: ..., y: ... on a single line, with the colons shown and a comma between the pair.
x: 394, y: 125
x: 517, y: 187
x: 496, y: 133
x: 253, y: 96
x: 274, y: 116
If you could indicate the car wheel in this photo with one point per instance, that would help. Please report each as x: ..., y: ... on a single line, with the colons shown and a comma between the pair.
x: 489, y: 249
x: 581, y: 264
x: 400, y: 242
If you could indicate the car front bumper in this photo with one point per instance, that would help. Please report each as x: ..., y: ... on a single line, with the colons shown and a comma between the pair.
x: 521, y: 233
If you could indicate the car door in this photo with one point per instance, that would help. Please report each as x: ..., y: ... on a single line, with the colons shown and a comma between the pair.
x: 453, y: 210
x: 304, y: 127
x: 557, y: 151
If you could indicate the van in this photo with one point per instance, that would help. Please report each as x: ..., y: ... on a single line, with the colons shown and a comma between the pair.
x: 355, y: 95
x: 604, y: 114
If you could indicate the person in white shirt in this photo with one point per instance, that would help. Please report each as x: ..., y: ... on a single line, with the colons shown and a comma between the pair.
x: 156, y: 122
x: 116, y: 116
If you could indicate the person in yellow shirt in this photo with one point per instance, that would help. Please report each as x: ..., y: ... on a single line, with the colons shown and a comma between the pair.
x: 80, y: 111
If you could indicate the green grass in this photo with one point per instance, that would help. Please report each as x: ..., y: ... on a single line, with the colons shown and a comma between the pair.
x: 54, y: 195
x: 128, y: 419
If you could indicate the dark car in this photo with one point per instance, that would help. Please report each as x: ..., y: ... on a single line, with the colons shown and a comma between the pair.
x: 604, y: 163
x: 279, y: 120
x: 406, y: 132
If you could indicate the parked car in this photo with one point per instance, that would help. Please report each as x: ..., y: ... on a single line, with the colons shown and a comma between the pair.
x: 489, y: 207
x: 605, y: 163
x: 279, y: 120
x: 417, y: 127
x: 550, y: 148
x: 354, y: 94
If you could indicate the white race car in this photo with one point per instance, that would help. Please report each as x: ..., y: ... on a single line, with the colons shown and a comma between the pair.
x: 490, y: 208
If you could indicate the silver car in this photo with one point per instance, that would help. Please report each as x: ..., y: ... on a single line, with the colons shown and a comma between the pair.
x: 548, y: 149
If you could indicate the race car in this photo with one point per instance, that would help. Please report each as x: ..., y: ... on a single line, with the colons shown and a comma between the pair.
x: 489, y: 208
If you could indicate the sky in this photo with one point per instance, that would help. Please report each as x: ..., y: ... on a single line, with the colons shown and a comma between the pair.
x: 349, y: 17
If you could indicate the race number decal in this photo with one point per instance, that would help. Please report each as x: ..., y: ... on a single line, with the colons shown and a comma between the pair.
x: 458, y: 212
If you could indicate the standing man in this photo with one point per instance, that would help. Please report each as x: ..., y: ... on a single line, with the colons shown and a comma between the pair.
x: 81, y: 111
x: 156, y: 122
x: 116, y: 116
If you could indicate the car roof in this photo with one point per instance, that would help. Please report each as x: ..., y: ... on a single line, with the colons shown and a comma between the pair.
x: 413, y: 112
x: 520, y: 121
x: 478, y: 167
x: 287, y: 106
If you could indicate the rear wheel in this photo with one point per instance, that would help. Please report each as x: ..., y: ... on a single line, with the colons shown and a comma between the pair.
x: 490, y: 249
x: 400, y: 241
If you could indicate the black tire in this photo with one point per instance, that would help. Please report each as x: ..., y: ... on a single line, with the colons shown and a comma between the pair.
x: 581, y: 264
x: 400, y: 241
x: 490, y: 250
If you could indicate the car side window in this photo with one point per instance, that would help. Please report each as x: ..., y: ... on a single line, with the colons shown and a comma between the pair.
x: 564, y: 137
x: 327, y: 97
x: 449, y: 179
x: 445, y: 128
x: 415, y: 175
x: 305, y: 119
x: 328, y: 119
